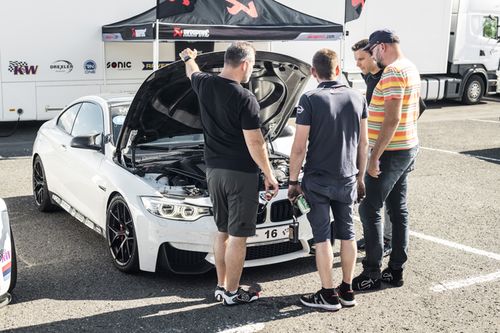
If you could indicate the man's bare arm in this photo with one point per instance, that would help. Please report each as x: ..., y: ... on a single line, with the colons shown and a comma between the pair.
x: 362, y: 159
x: 191, y: 65
x: 298, y: 152
x: 258, y: 151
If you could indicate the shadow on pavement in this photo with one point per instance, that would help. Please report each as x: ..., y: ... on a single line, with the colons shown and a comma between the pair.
x: 491, y: 155
x: 20, y: 142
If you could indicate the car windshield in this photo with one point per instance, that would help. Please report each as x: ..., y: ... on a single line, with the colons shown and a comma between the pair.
x: 118, y: 114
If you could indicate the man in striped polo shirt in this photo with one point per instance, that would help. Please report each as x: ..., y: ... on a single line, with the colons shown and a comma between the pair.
x: 392, y: 131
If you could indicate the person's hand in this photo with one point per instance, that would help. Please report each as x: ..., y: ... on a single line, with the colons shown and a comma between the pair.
x: 271, y: 185
x: 188, y: 52
x: 373, y: 168
x: 293, y: 192
x: 361, y: 190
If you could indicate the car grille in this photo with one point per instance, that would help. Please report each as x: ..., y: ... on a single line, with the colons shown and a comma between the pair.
x: 261, y: 214
x: 282, y: 210
x: 181, y: 261
x: 271, y: 250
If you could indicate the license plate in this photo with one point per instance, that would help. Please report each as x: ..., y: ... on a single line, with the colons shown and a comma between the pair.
x: 269, y: 234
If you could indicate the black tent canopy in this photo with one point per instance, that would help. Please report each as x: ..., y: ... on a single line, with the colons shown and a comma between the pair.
x: 219, y: 20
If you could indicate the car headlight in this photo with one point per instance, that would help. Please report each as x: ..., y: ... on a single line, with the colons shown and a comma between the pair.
x: 175, y: 210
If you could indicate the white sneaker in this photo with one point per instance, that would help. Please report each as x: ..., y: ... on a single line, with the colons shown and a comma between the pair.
x: 239, y: 297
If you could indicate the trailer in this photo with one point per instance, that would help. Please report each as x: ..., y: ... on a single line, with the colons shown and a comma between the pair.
x: 454, y: 43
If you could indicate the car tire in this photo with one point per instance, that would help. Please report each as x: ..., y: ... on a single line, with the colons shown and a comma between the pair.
x: 13, y: 269
x: 41, y: 192
x: 474, y: 90
x: 121, y: 237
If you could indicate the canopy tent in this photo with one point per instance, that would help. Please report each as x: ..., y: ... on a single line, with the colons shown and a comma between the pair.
x: 219, y: 20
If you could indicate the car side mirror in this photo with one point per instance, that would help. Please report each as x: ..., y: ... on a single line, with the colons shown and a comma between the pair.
x: 92, y: 142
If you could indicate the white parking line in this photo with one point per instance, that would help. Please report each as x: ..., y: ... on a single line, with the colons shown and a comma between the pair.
x: 456, y: 153
x: 465, y: 248
x: 487, y: 121
x: 450, y: 285
x: 246, y: 329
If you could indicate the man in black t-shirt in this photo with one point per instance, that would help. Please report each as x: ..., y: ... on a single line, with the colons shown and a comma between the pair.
x: 234, y: 151
x: 371, y: 74
x: 332, y: 128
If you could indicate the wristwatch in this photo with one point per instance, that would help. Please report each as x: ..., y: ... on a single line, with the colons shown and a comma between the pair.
x: 186, y: 58
x: 293, y: 182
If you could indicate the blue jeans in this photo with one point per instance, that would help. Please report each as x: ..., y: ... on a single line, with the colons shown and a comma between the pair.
x: 390, y: 187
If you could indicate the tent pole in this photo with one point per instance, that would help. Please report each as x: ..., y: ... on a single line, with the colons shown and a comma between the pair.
x: 156, y: 46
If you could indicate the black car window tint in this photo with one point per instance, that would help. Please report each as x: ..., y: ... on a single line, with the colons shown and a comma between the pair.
x: 67, y: 118
x: 89, y: 120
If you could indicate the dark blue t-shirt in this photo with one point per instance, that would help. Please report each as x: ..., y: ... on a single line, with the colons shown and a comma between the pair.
x: 226, y: 110
x: 333, y: 112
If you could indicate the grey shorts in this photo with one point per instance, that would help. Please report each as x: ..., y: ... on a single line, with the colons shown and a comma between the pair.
x: 234, y: 196
x: 335, y: 195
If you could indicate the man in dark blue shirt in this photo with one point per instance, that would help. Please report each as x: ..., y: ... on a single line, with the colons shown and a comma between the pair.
x: 333, y: 118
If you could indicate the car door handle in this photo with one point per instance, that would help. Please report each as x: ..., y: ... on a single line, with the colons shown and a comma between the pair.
x: 63, y: 147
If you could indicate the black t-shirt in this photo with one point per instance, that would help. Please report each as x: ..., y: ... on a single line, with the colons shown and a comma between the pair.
x: 226, y: 110
x: 333, y: 112
x: 371, y: 81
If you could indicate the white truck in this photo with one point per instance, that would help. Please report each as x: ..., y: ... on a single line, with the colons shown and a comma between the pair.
x: 52, y: 52
x: 454, y: 43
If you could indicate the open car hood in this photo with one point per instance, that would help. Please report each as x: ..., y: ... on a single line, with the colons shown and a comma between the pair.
x: 166, y: 106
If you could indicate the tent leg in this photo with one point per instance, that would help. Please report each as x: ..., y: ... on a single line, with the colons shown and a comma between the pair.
x: 156, y: 47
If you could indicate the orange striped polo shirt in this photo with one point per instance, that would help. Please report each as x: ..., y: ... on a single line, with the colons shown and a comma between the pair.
x: 400, y: 80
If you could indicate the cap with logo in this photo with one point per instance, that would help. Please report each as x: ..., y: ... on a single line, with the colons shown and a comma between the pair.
x: 381, y: 36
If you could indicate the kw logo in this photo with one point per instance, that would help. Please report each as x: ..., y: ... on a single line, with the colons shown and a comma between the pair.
x: 238, y: 7
x: 22, y: 68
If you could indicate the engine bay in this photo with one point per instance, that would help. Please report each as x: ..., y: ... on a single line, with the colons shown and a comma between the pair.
x: 186, y: 176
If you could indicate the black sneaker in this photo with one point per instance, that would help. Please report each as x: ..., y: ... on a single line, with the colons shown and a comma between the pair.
x: 393, y: 276
x: 361, y: 244
x: 321, y: 301
x: 239, y: 297
x: 346, y: 297
x: 363, y: 282
x: 387, y: 247
x: 218, y: 293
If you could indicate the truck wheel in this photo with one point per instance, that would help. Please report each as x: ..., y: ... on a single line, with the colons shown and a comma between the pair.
x: 474, y: 90
x: 13, y: 267
x: 40, y: 188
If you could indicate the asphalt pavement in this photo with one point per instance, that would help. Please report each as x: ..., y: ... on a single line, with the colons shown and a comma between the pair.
x: 66, y: 281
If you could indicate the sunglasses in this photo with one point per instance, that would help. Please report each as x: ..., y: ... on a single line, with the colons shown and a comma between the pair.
x: 374, y: 46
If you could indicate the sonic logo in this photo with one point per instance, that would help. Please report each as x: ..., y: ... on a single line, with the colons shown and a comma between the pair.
x: 238, y: 7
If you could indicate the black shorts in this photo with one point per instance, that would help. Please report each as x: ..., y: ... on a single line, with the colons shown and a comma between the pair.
x: 235, y: 199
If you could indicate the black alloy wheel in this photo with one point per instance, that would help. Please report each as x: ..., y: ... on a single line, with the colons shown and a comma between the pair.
x: 41, y: 192
x: 121, y: 237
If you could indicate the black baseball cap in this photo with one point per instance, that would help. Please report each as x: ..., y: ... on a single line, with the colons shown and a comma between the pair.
x: 381, y: 36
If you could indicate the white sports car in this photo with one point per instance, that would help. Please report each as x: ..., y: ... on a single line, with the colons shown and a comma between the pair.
x: 131, y: 168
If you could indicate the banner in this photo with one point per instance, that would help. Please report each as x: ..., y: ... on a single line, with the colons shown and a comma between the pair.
x: 166, y: 8
x: 353, y: 9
